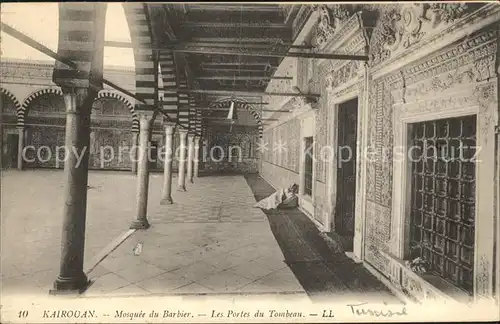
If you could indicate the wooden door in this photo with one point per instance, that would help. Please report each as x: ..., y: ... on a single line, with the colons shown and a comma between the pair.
x: 346, y: 170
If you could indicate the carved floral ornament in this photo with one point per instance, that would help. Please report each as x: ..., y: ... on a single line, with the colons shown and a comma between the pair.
x: 402, y: 26
x: 330, y: 17
x: 343, y: 74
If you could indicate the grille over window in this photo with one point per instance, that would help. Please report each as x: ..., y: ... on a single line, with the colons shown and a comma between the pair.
x: 443, y: 197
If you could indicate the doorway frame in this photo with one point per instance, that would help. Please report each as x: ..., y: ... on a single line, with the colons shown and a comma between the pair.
x: 307, y: 129
x: 333, y: 102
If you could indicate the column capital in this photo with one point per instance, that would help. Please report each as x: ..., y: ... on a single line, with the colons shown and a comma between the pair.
x: 183, y: 131
x: 145, y: 114
x: 169, y: 128
x: 190, y: 137
x: 78, y: 100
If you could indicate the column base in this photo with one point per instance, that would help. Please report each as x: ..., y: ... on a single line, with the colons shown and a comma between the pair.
x: 72, y: 285
x: 181, y: 188
x: 167, y: 201
x: 140, y: 224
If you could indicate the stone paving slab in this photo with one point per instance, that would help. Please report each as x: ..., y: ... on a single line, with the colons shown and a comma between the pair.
x: 31, y: 219
x: 191, y: 252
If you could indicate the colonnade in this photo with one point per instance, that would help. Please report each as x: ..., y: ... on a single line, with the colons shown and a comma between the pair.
x: 187, y: 169
x: 78, y: 109
x: 79, y: 74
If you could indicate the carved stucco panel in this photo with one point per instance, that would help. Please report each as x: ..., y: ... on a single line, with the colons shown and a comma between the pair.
x: 402, y: 26
x: 411, y: 286
x: 380, y: 143
x: 321, y: 134
x: 371, y: 129
x: 377, y: 235
x: 486, y: 96
x: 483, y: 276
x: 330, y: 20
x: 361, y: 145
x: 343, y: 74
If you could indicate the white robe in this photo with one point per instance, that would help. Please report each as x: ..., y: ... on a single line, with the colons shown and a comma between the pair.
x: 276, y: 199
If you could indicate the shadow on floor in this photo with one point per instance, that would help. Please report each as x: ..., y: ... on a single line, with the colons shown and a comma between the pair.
x: 320, y: 267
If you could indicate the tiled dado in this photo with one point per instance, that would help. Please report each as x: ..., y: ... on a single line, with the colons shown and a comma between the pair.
x: 413, y: 285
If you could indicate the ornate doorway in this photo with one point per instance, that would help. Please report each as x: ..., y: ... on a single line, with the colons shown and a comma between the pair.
x: 346, y: 172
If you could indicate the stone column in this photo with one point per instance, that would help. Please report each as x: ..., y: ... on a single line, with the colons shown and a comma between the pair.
x: 20, y: 148
x: 190, y: 158
x: 78, y: 103
x: 182, y: 160
x: 196, y: 162
x: 167, y: 171
x: 134, y: 149
x: 141, y: 221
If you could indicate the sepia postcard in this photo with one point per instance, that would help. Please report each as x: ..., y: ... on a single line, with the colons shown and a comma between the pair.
x: 215, y: 162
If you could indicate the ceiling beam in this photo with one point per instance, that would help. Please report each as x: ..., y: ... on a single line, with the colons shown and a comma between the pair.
x: 240, y: 40
x: 233, y: 7
x: 223, y: 43
x: 250, y: 103
x: 169, y: 31
x: 256, y: 93
x: 215, y: 44
x: 263, y: 110
x: 210, y: 24
x: 235, y: 69
x: 226, y: 51
x: 237, y: 78
x: 229, y: 120
x: 234, y: 63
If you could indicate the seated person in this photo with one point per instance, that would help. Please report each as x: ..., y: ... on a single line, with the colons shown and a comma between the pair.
x: 284, y: 198
x: 290, y: 199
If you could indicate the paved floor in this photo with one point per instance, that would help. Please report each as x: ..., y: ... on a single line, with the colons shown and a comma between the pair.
x: 32, y: 202
x: 210, y: 241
